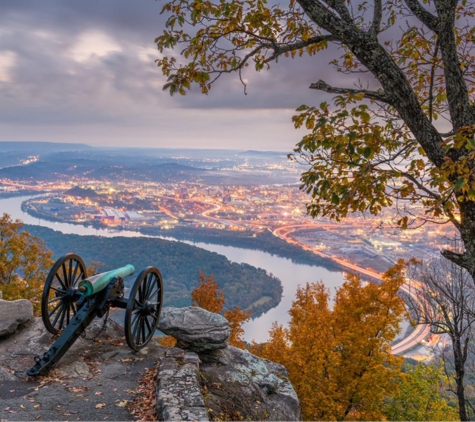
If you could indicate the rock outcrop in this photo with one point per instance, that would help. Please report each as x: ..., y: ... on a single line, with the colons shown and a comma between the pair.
x: 240, y: 384
x: 13, y: 314
x: 236, y: 383
x: 195, y: 328
x: 202, y: 379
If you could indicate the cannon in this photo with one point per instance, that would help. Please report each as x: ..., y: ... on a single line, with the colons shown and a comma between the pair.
x: 71, y: 301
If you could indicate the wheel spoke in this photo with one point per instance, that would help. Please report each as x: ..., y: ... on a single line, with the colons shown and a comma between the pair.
x: 150, y: 283
x: 58, y: 315
x: 58, y: 290
x: 65, y: 311
x: 148, y: 325
x: 73, y: 307
x: 55, y: 309
x: 70, y: 274
x: 61, y: 282
x: 155, y: 291
x: 74, y: 280
x: 54, y: 299
x: 135, y: 317
x: 142, y: 288
x: 143, y: 330
x: 136, y: 333
x: 65, y: 274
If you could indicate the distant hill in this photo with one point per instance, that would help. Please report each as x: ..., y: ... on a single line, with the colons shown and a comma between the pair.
x: 81, y: 193
x: 263, y: 153
x: 41, y: 146
x: 50, y: 169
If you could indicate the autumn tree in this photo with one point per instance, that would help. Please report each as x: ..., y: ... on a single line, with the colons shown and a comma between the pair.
x: 399, y: 130
x: 207, y: 294
x: 339, y: 360
x: 448, y: 307
x: 420, y: 396
x: 24, y: 262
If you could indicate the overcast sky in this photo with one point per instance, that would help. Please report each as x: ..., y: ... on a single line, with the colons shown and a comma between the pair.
x: 84, y: 71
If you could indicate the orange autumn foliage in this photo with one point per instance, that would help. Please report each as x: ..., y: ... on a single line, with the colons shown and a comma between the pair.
x: 339, y: 360
x: 208, y: 296
x: 24, y: 263
x: 236, y: 319
x: 167, y: 341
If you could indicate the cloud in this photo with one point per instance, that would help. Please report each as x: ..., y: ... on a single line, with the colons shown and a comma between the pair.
x: 8, y: 60
x: 93, y: 44
x: 85, y: 72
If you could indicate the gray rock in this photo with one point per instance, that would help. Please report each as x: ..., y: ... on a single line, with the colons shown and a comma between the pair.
x: 6, y: 375
x: 77, y: 369
x: 178, y: 390
x: 14, y: 313
x: 247, y: 386
x: 195, y: 328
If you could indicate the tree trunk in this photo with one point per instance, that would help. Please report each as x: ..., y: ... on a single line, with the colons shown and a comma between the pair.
x: 459, y: 378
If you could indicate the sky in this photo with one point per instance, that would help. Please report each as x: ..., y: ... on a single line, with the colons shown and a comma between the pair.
x: 84, y: 71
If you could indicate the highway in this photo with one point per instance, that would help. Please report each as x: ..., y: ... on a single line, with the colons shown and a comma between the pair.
x: 419, y: 333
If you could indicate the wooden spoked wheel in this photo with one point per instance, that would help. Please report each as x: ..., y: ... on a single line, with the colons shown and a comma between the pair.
x: 143, y: 308
x: 58, y: 303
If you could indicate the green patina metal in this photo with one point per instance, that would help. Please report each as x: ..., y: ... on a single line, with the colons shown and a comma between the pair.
x: 98, y: 282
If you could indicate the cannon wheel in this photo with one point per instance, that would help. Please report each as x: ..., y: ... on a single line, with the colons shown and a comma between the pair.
x: 143, y: 308
x: 60, y: 294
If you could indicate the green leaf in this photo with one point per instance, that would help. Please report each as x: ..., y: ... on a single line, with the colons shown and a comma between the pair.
x: 367, y: 152
x: 460, y: 184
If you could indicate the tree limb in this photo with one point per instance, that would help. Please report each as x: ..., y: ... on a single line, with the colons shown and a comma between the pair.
x: 462, y: 260
x: 377, y: 16
x: 374, y: 95
x: 427, y: 18
x: 280, y: 49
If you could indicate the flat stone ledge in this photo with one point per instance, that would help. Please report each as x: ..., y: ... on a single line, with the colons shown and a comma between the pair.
x: 178, y: 391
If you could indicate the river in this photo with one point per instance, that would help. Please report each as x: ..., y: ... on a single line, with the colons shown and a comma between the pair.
x: 290, y: 273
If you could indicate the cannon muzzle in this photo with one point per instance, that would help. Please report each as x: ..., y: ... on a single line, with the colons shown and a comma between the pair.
x: 98, y: 282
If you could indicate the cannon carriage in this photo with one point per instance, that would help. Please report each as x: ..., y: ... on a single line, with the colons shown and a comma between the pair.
x: 71, y: 300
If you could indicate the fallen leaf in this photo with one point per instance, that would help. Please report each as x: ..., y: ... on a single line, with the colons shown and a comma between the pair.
x: 122, y: 403
x: 100, y: 405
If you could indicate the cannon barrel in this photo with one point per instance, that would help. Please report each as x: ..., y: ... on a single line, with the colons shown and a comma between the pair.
x: 98, y: 282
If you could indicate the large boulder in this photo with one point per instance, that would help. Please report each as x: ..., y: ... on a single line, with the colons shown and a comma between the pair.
x: 14, y: 313
x: 195, y: 328
x: 241, y: 385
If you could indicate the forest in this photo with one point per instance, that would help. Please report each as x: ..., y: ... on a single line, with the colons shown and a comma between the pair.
x: 263, y: 241
x: 179, y: 264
